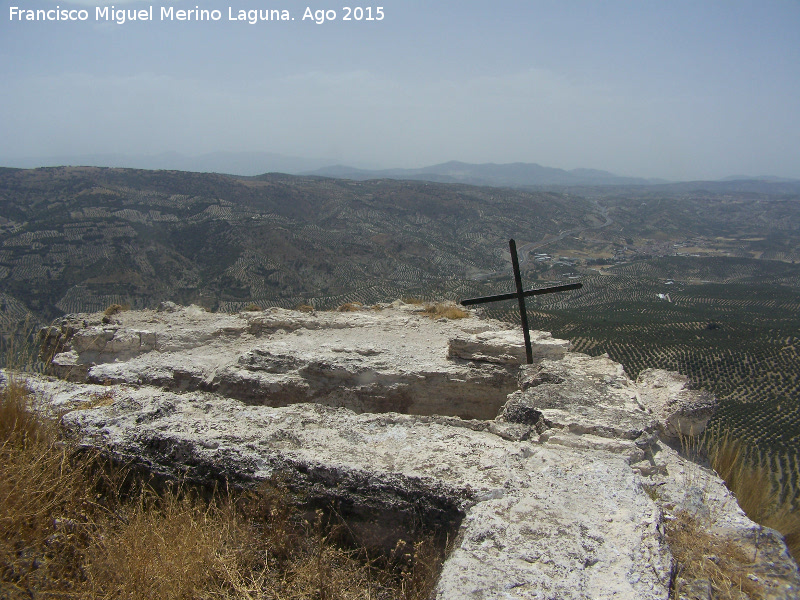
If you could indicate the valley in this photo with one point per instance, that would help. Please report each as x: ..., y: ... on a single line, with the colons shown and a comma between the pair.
x: 699, y: 278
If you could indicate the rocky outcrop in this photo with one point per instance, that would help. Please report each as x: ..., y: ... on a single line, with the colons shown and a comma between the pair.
x: 552, y: 479
x: 370, y: 361
x: 680, y: 410
x: 582, y: 394
x: 504, y: 347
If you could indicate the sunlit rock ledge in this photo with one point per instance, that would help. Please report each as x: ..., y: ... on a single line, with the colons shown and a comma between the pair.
x: 554, y: 479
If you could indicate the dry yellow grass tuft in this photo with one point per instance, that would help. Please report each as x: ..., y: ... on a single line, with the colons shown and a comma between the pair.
x: 701, y: 555
x: 44, y: 493
x: 98, y: 399
x: 253, y: 308
x: 306, y: 308
x: 73, y: 526
x: 445, y: 310
x: 757, y: 489
x: 19, y: 350
x: 350, y: 307
x: 114, y: 309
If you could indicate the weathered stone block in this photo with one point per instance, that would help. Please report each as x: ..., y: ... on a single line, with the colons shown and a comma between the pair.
x: 505, y: 347
x: 679, y: 409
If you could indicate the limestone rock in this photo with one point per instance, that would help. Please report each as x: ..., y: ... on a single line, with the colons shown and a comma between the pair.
x: 391, y: 418
x: 505, y: 347
x: 532, y: 519
x: 167, y: 306
x: 680, y: 410
x: 581, y: 394
x: 367, y: 361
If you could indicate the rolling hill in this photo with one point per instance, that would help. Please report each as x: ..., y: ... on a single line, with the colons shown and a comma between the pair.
x: 702, y: 278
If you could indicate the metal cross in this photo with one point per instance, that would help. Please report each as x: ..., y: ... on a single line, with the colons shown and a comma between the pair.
x: 520, y: 296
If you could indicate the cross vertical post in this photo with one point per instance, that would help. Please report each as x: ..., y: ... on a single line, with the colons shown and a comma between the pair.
x: 520, y: 296
x: 523, y: 313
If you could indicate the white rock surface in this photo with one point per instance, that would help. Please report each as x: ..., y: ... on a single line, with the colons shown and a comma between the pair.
x: 368, y: 361
x: 680, y: 410
x: 549, y: 500
x: 505, y: 347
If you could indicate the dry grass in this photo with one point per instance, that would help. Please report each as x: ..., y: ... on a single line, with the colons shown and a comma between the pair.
x: 18, y: 350
x: 350, y: 307
x: 306, y: 308
x: 98, y: 399
x: 44, y: 498
x: 702, y: 555
x: 445, y: 310
x: 751, y: 483
x: 757, y: 489
x: 114, y: 309
x: 253, y: 308
x: 72, y: 527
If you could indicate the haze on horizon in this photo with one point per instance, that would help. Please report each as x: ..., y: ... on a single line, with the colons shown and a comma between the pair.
x: 679, y: 90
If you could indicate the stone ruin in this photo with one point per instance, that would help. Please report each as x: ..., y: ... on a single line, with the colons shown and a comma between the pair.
x: 551, y: 480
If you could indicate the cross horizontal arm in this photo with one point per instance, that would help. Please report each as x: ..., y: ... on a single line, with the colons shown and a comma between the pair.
x: 512, y: 295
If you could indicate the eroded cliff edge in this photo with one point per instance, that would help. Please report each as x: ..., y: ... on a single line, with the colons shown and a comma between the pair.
x: 556, y: 478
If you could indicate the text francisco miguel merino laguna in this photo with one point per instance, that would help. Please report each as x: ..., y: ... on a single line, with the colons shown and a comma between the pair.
x: 170, y: 13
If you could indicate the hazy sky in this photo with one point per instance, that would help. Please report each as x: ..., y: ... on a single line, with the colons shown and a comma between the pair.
x: 679, y: 90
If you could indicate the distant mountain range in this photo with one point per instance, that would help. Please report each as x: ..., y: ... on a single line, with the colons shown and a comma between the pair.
x: 258, y: 163
x: 490, y: 174
x: 766, y: 178
x: 233, y: 163
x: 76, y: 239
